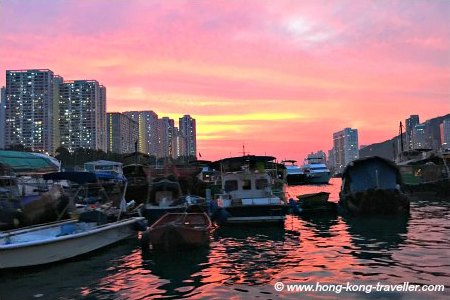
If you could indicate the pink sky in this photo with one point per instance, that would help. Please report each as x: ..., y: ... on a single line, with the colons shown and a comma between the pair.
x: 277, y: 76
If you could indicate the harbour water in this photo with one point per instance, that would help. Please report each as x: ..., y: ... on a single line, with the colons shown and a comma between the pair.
x: 246, y: 262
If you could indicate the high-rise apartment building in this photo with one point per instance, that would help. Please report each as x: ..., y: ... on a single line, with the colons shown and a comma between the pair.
x: 345, y: 145
x: 410, y: 123
x: 82, y: 115
x: 445, y: 135
x: 2, y: 117
x: 165, y: 134
x: 122, y: 133
x: 30, y: 107
x: 188, y: 129
x: 178, y: 144
x: 420, y: 138
x: 148, y: 131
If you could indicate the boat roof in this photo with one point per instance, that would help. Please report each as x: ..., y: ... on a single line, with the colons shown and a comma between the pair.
x: 235, y: 163
x: 23, y: 162
x: 362, y: 161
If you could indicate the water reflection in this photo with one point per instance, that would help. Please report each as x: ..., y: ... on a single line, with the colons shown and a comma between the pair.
x: 371, y: 234
x: 179, y: 271
x: 249, y: 255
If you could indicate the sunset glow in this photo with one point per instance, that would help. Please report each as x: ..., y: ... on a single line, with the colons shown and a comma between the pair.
x: 277, y: 76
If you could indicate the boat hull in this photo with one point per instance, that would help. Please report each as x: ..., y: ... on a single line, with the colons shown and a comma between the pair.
x: 169, y: 236
x: 318, y: 178
x: 174, y: 230
x: 256, y: 214
x: 295, y: 179
x: 375, y: 202
x: 63, y: 247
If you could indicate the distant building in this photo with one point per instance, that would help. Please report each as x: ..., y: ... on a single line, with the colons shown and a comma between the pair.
x: 82, y: 115
x: 410, y: 123
x: 30, y: 107
x: 345, y: 145
x: 445, y: 134
x: 178, y: 144
x: 123, y: 133
x: 165, y: 134
x: 188, y: 128
x: 2, y: 117
x: 148, y: 131
x: 420, y: 138
x: 331, y: 163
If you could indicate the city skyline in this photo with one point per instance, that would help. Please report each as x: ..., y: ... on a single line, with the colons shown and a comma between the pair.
x: 280, y: 78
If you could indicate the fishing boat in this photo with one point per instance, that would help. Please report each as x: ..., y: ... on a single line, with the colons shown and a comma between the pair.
x: 294, y: 174
x: 48, y: 243
x: 138, y: 187
x: 165, y: 196
x: 312, y: 203
x: 247, y: 195
x: 372, y: 186
x: 25, y: 197
x: 178, y: 229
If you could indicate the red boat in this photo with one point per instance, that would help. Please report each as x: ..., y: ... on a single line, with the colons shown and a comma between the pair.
x: 177, y: 230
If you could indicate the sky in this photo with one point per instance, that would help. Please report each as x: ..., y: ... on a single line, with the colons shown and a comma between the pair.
x: 279, y: 77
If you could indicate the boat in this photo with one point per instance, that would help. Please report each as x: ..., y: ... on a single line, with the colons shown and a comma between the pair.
x: 294, y: 174
x: 316, y: 170
x: 165, y: 196
x: 425, y: 174
x: 53, y: 242
x: 247, y: 195
x: 372, y: 186
x: 25, y: 197
x: 174, y: 230
x: 138, y: 179
x: 312, y: 203
x: 110, y: 176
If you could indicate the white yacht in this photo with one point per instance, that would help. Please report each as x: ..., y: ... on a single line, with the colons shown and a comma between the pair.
x: 316, y: 170
x: 294, y: 174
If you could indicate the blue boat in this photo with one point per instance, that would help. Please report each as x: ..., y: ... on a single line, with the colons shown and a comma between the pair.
x: 372, y: 186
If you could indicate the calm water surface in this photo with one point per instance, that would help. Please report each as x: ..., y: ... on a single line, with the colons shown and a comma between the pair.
x: 246, y: 262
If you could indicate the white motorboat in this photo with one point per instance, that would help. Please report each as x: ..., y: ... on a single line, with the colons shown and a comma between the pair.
x: 52, y: 242
x: 316, y: 170
x: 294, y: 174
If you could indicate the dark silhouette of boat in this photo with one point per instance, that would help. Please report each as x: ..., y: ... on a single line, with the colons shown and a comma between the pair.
x: 314, y: 203
x: 174, y: 230
x: 373, y: 186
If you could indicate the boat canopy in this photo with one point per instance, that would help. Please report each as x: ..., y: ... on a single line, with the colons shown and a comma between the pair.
x: 231, y: 164
x: 27, y: 162
x: 103, y: 165
x: 371, y: 172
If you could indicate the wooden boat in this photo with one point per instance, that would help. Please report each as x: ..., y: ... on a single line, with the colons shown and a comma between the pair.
x: 372, y: 186
x: 314, y: 203
x: 52, y: 242
x: 178, y: 229
x: 314, y: 199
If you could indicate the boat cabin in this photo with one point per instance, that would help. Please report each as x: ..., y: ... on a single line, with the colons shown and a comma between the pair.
x: 370, y: 173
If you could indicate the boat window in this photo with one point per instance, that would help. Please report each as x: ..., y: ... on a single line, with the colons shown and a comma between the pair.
x: 261, y: 183
x: 231, y: 185
x: 246, y: 184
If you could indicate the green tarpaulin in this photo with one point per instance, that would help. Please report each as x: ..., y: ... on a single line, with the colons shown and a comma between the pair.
x: 22, y: 162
